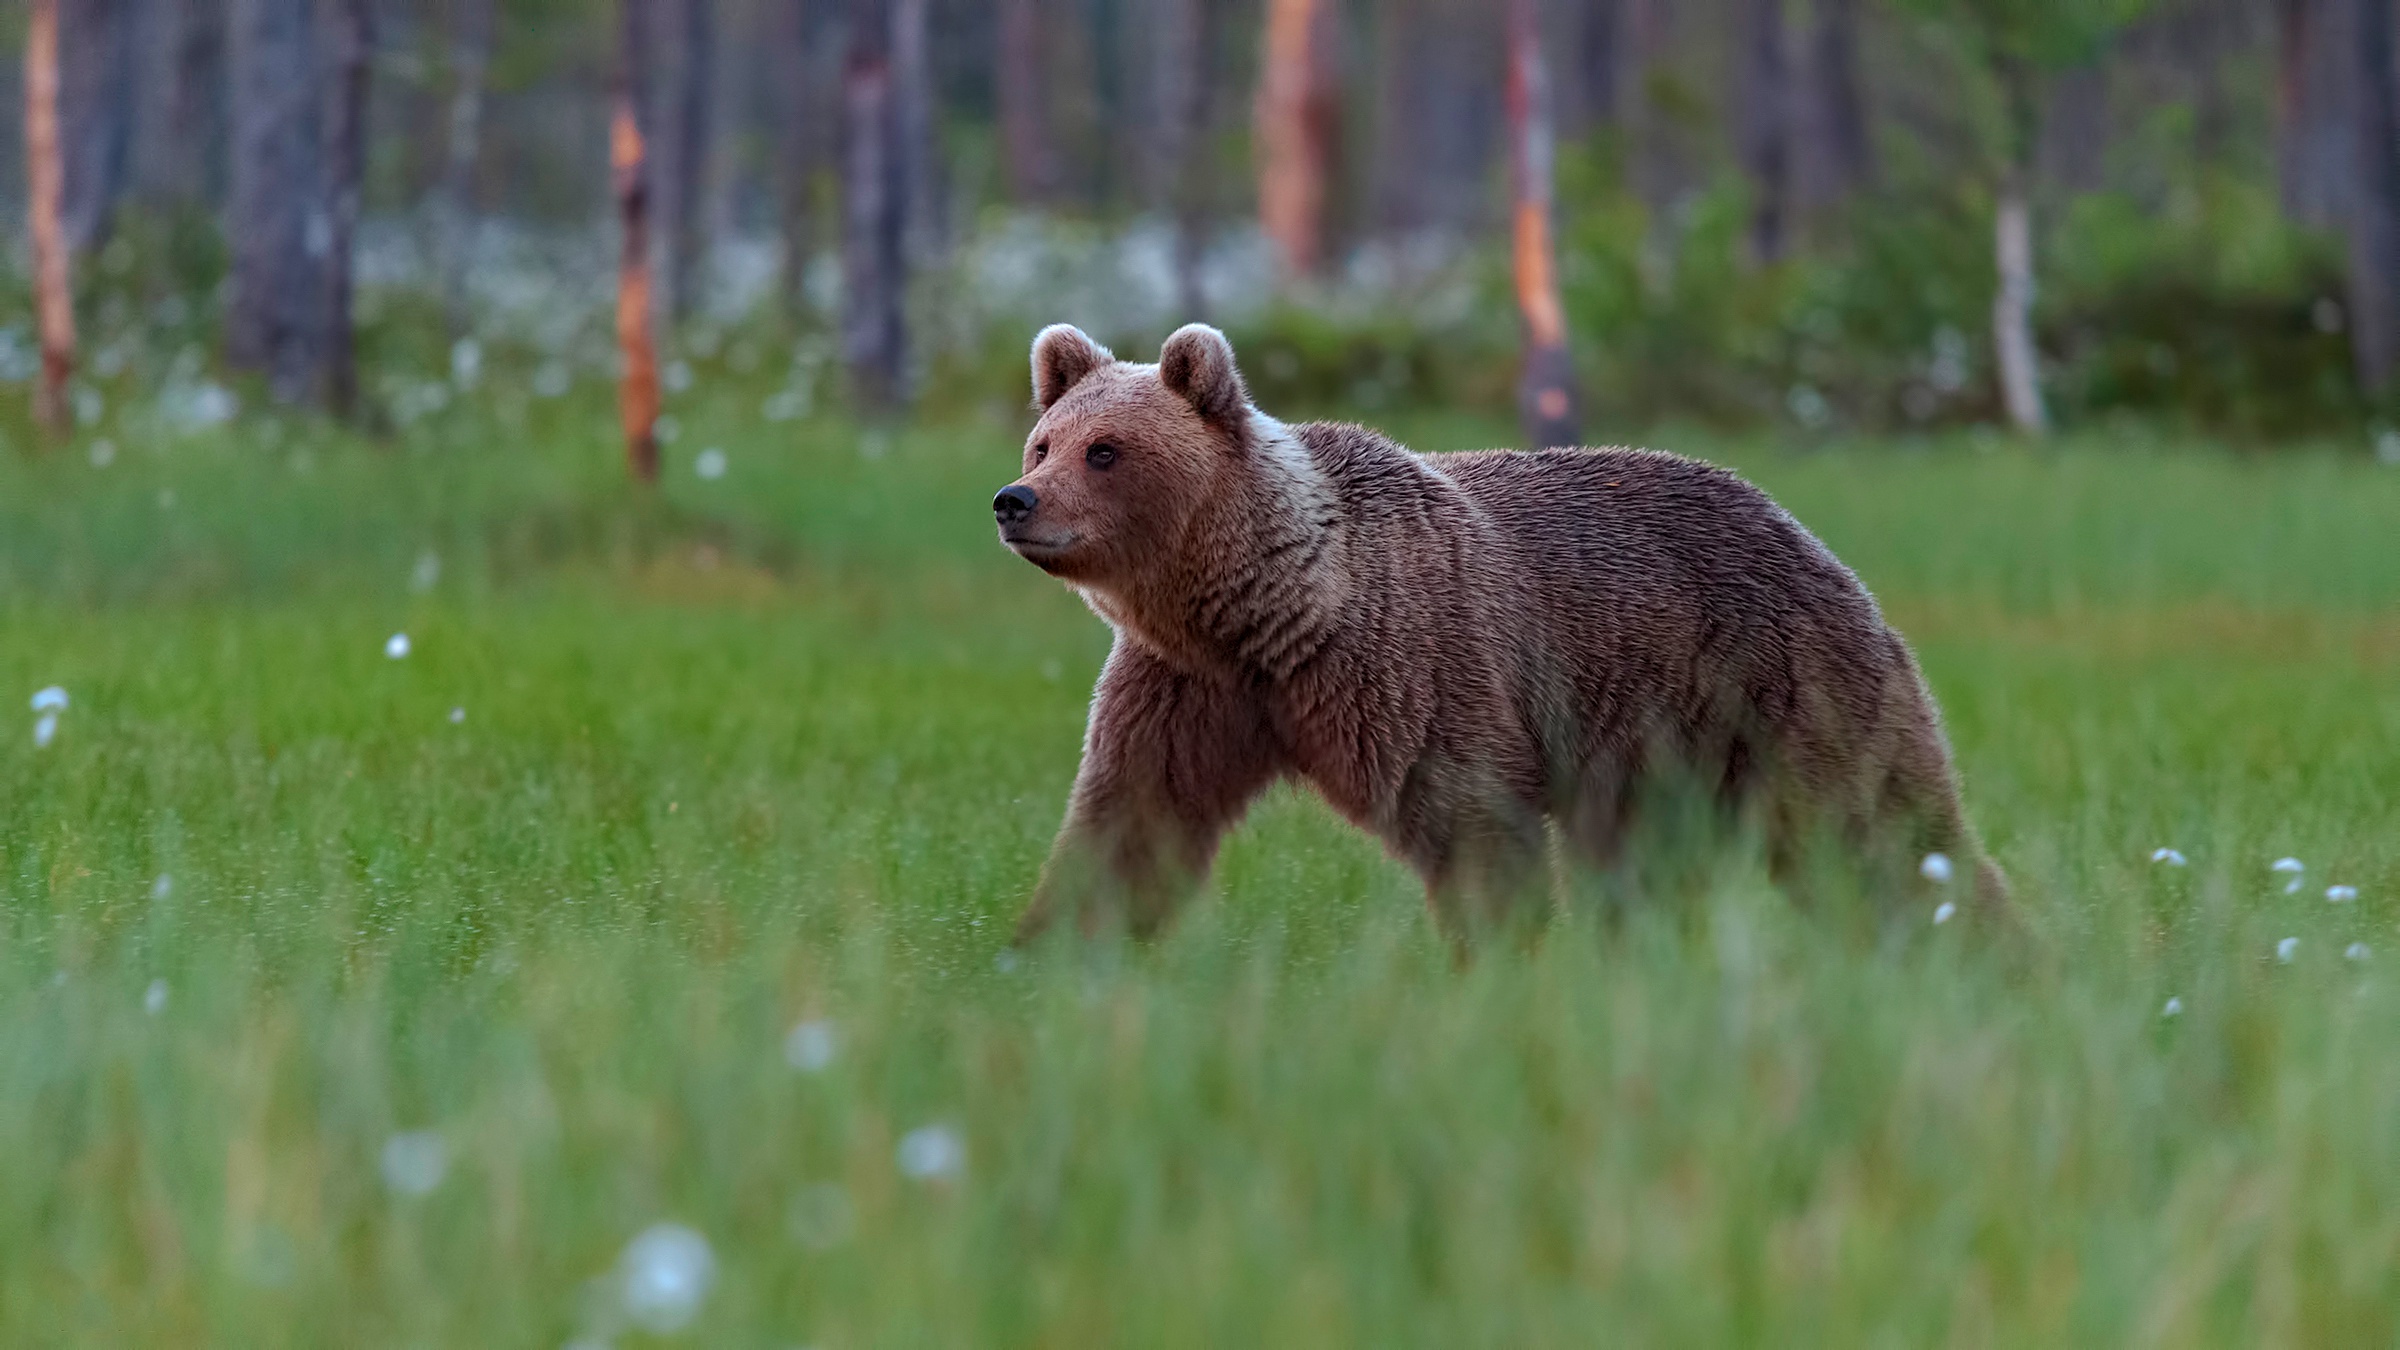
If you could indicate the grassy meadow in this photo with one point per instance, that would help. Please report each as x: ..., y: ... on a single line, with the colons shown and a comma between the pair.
x: 663, y: 777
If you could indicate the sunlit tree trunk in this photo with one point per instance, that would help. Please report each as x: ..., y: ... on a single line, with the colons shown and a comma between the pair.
x: 1765, y: 106
x: 2012, y: 301
x: 874, y: 214
x: 1546, y: 390
x: 470, y: 55
x: 1295, y: 116
x: 54, y: 300
x: 351, y: 44
x: 2374, y: 214
x: 637, y: 352
x: 1030, y: 160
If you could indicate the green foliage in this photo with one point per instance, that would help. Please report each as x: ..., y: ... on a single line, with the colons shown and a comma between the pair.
x: 790, y: 744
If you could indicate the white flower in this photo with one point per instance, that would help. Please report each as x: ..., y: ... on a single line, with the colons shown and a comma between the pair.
x: 2174, y: 1008
x: 45, y: 730
x: 52, y: 698
x: 1936, y: 868
x: 2287, y: 949
x: 396, y: 646
x: 2357, y: 951
x: 2341, y: 895
x: 811, y: 1045
x: 663, y: 1276
x: 1943, y: 913
x: 414, y: 1161
x: 709, y: 463
x: 163, y: 887
x: 2289, y: 867
x: 933, y: 1153
x: 2169, y: 856
x: 677, y: 377
x: 154, y: 999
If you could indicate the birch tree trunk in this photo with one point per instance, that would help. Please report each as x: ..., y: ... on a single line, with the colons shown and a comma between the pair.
x: 1546, y: 389
x: 470, y: 57
x: 874, y: 214
x: 54, y: 300
x: 2374, y: 207
x: 637, y: 352
x: 1294, y: 119
x: 2012, y: 252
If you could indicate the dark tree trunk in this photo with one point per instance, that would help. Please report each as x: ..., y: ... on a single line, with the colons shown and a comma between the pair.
x: 95, y: 110
x: 924, y: 231
x: 2374, y: 215
x: 676, y: 143
x: 351, y: 41
x: 629, y: 180
x: 1182, y: 90
x: 1764, y: 104
x: 178, y: 143
x: 1840, y: 158
x: 1546, y: 389
x: 796, y: 143
x: 1600, y: 62
x: 54, y: 296
x: 470, y: 56
x: 874, y: 213
x: 1031, y: 159
x: 2075, y: 131
x: 277, y: 225
x: 2315, y: 124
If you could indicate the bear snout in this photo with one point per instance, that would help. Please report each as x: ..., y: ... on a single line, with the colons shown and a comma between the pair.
x: 1014, y: 503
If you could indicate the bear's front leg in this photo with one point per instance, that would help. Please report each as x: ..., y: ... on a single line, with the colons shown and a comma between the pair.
x: 1170, y: 761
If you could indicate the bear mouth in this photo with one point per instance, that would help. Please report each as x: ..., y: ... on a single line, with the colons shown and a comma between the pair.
x: 1047, y: 554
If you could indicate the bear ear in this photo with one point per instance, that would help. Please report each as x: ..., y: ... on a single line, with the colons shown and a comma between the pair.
x: 1197, y: 363
x: 1062, y: 356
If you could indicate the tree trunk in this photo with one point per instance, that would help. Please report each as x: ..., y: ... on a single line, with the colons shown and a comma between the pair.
x: 95, y: 113
x: 676, y: 144
x: 796, y: 145
x: 177, y: 119
x: 1600, y: 63
x: 2374, y: 215
x: 280, y: 231
x: 2012, y: 250
x: 2315, y: 91
x: 924, y: 232
x: 1841, y: 157
x: 1182, y: 91
x: 54, y: 299
x: 470, y: 56
x: 874, y: 214
x: 1765, y: 105
x: 637, y: 352
x: 1295, y: 115
x: 347, y: 63
x: 1017, y: 81
x: 1546, y: 390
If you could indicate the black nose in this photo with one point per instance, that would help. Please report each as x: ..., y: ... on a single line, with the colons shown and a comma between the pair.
x: 1015, y: 502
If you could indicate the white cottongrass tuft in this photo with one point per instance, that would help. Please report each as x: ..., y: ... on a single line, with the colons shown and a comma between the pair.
x: 457, y: 715
x: 811, y: 1046
x: 1936, y: 868
x: 2357, y: 951
x: 664, y: 1275
x: 2287, y: 949
x: 50, y: 698
x: 2174, y: 1008
x: 2291, y: 868
x: 396, y: 646
x: 413, y: 1162
x: 2168, y: 856
x: 709, y: 463
x: 933, y: 1153
x: 1944, y: 912
x: 2341, y: 895
x: 45, y: 730
x: 427, y: 574
x: 163, y: 887
x: 154, y: 999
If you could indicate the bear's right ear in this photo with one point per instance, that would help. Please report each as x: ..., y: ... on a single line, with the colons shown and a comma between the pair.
x: 1062, y: 356
x: 1197, y: 362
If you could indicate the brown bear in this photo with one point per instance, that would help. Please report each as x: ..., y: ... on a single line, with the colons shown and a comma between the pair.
x: 1462, y: 652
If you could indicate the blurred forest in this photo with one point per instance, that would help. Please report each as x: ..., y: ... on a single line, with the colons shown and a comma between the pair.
x: 1826, y: 215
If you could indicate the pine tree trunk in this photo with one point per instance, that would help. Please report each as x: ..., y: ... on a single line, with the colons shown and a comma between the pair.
x: 54, y: 299
x: 277, y: 223
x: 1032, y: 163
x: 874, y: 214
x: 796, y: 145
x: 2374, y: 215
x: 1546, y: 389
x: 1295, y: 117
x: 676, y: 142
x: 1765, y: 103
x: 637, y: 352
x: 1182, y: 91
x: 1842, y: 157
x: 1600, y: 63
x: 352, y: 40
x: 2315, y: 92
x: 470, y: 56
x: 95, y: 113
x: 924, y: 233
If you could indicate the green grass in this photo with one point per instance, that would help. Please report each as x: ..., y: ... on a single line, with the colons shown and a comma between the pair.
x: 792, y: 745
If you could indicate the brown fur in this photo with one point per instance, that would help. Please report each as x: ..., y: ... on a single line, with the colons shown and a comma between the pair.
x: 1460, y: 652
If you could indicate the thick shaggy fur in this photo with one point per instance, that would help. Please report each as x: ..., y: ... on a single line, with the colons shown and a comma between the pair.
x: 1460, y: 652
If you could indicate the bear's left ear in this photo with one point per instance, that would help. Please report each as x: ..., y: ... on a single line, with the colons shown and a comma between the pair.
x: 1062, y: 356
x: 1197, y: 363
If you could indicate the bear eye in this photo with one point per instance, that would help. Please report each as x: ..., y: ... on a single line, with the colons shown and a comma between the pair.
x: 1041, y: 451
x: 1101, y: 455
